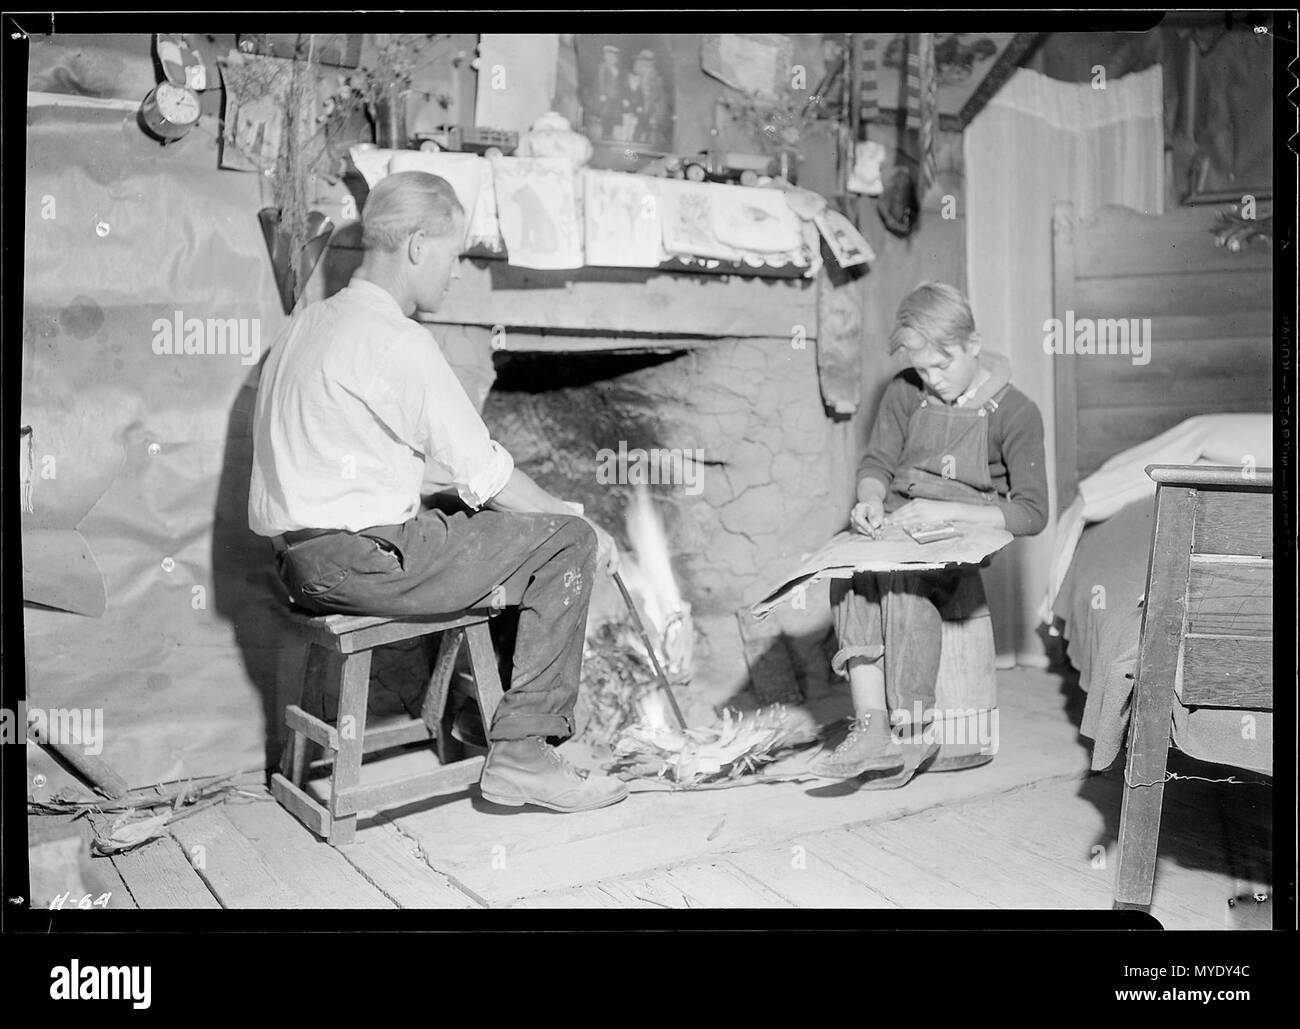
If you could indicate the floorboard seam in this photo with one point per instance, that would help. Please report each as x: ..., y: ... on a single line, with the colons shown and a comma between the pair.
x: 423, y: 855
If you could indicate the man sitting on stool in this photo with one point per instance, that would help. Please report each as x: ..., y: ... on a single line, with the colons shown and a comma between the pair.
x: 358, y: 415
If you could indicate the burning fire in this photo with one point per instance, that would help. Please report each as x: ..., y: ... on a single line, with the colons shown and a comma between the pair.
x: 648, y: 574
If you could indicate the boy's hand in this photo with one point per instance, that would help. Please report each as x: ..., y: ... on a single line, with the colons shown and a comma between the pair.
x: 921, y: 512
x: 867, y: 516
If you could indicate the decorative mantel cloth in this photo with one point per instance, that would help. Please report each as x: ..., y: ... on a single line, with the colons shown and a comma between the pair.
x: 537, y: 203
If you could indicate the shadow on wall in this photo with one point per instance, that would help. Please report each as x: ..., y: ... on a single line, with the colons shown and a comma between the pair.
x: 246, y: 590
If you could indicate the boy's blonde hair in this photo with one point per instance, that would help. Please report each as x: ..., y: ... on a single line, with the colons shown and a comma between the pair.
x: 933, y: 315
x: 405, y: 202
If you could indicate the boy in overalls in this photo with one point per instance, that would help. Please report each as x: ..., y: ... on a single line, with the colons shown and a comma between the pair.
x: 953, y: 441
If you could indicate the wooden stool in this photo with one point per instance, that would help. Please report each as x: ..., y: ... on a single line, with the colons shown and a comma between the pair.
x: 346, y: 642
x: 966, y: 689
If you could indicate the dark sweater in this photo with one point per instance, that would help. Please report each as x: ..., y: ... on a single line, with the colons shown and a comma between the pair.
x: 1017, y: 466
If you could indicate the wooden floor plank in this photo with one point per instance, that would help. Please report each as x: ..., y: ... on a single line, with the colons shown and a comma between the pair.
x: 1050, y: 882
x: 943, y: 844
x: 718, y: 884
x: 231, y: 865
x: 159, y: 875
x: 806, y: 880
x: 319, y: 873
x: 895, y: 876
x: 392, y: 862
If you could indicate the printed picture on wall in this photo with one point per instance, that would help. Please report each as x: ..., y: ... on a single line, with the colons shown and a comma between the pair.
x: 626, y: 86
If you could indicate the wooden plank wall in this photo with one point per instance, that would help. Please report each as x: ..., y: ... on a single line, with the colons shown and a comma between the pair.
x: 1211, y: 330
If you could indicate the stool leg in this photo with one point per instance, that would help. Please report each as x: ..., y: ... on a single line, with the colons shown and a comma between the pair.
x: 290, y: 677
x: 487, y: 680
x: 351, y: 725
x: 435, y: 698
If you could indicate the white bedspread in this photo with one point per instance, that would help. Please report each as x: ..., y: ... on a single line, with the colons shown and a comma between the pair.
x: 1241, y: 440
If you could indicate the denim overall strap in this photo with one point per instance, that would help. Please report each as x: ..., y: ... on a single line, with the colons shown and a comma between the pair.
x: 946, y: 454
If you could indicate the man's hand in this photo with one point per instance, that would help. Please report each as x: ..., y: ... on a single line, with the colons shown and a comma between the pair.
x: 606, y: 549
x: 867, y: 516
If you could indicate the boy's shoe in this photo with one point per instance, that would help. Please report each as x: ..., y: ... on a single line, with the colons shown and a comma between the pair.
x: 915, y: 750
x: 867, y: 747
x: 530, y: 771
x: 956, y: 757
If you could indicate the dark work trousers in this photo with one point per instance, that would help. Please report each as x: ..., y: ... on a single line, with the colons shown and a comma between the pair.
x: 899, y: 616
x: 449, y: 558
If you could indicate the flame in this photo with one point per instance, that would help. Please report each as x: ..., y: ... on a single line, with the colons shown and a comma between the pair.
x: 648, y: 574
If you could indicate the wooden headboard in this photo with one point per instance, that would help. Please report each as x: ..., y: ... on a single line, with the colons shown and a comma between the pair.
x: 1211, y: 320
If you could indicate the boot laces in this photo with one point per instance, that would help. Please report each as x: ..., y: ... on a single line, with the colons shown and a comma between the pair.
x: 858, y: 724
x: 566, y: 766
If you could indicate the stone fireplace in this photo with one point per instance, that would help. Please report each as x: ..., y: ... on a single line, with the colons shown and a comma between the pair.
x: 742, y: 464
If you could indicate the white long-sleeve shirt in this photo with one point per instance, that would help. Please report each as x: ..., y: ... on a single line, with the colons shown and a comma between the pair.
x: 358, y: 414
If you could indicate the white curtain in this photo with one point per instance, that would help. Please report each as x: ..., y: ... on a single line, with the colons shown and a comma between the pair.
x: 1041, y: 142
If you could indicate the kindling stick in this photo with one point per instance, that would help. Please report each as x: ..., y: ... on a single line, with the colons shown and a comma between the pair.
x: 650, y: 649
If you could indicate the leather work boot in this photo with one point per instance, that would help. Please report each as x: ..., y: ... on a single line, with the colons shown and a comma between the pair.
x: 530, y: 771
x: 912, y: 747
x: 867, y: 747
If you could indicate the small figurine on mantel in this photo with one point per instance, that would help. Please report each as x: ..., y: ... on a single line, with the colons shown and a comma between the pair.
x: 552, y: 136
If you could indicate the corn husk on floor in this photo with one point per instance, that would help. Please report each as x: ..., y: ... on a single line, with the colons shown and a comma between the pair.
x: 732, y: 753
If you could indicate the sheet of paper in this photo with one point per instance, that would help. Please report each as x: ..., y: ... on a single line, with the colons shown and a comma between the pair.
x: 893, y: 550
x: 516, y: 79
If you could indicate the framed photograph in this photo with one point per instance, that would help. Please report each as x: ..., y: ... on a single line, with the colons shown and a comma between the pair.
x: 625, y: 83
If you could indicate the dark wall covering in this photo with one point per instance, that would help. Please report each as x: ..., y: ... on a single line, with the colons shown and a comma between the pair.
x: 121, y: 233
x: 1230, y: 108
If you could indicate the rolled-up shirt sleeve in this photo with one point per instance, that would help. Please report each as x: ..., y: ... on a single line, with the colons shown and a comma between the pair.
x: 441, y: 423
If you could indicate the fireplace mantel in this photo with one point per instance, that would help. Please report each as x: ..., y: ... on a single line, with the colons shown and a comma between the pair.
x: 612, y: 302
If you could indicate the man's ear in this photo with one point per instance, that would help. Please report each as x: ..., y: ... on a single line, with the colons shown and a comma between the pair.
x: 416, y: 244
x: 973, y: 344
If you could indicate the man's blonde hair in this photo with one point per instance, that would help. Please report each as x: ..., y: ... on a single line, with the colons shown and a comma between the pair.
x: 933, y: 315
x: 406, y: 202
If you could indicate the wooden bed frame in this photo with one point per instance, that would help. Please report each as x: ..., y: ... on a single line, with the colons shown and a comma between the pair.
x: 1207, y: 617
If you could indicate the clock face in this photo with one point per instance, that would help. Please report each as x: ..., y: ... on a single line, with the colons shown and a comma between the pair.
x: 177, y: 104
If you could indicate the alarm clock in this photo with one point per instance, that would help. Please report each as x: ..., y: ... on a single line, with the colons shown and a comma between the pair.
x: 169, y: 111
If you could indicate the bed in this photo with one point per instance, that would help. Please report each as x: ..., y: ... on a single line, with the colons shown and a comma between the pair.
x: 1163, y: 586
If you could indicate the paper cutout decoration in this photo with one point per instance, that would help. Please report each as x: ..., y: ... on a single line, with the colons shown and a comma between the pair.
x: 894, y: 550
x: 621, y: 214
x: 846, y: 243
x: 537, y: 205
